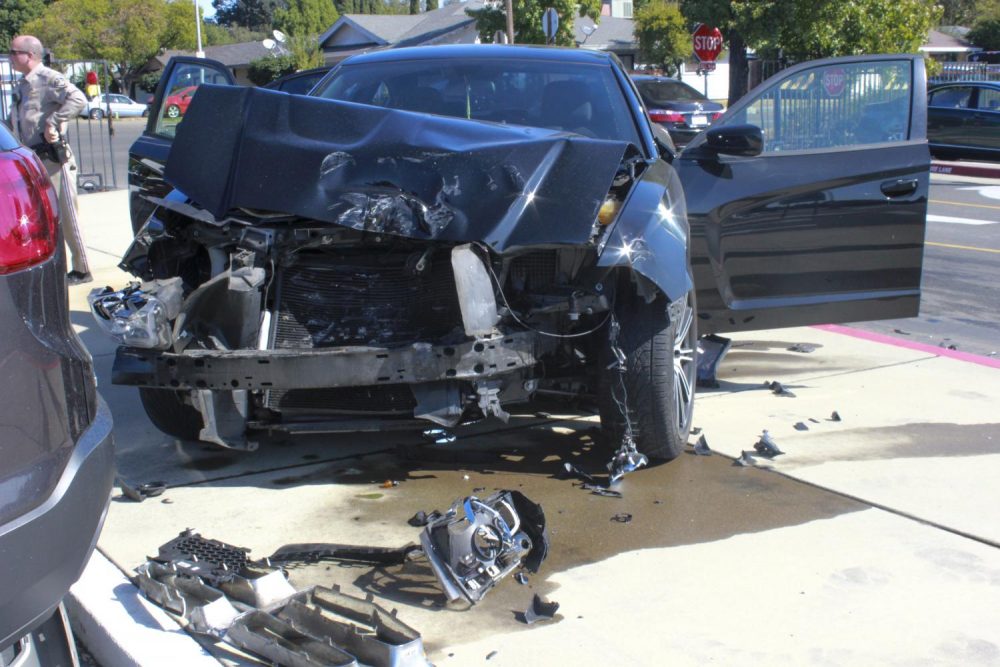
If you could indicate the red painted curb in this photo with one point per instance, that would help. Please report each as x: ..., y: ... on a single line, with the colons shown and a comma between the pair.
x: 984, y: 170
x: 911, y: 345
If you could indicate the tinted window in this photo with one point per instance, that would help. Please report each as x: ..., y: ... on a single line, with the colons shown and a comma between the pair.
x: 660, y: 93
x: 572, y: 97
x: 953, y: 97
x: 989, y: 99
x: 833, y: 106
x: 300, y: 85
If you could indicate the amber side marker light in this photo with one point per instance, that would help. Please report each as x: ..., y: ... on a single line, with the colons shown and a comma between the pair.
x: 609, y: 209
x: 28, y: 212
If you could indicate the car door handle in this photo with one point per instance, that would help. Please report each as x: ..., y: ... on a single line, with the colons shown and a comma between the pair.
x: 900, y: 187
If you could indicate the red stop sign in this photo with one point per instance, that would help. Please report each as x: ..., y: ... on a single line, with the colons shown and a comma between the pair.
x: 707, y: 43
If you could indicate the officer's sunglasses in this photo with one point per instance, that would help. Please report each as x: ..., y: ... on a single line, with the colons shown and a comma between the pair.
x: 14, y: 52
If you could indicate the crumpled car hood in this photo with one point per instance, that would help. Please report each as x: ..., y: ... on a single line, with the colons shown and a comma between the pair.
x: 389, y: 171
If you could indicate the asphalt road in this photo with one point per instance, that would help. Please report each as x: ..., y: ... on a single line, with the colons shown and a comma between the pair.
x: 961, y: 270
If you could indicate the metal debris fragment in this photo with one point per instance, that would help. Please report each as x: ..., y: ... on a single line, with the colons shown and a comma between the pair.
x: 521, y: 578
x: 622, y: 517
x: 574, y: 471
x: 539, y: 610
x: 835, y: 416
x: 346, y: 553
x: 801, y: 426
x: 711, y: 350
x: 779, y: 389
x: 602, y: 491
x: 814, y: 420
x: 142, y: 491
x: 804, y: 348
x: 627, y: 458
x: 491, y: 655
x: 900, y: 331
x: 767, y: 447
x: 214, y: 561
x: 695, y: 430
x: 701, y: 447
x: 439, y: 436
x: 476, y: 543
x: 745, y: 460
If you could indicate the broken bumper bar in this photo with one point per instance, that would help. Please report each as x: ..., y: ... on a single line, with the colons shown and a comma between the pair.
x: 315, y: 369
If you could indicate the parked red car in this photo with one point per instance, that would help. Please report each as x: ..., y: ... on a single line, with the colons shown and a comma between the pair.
x: 177, y: 102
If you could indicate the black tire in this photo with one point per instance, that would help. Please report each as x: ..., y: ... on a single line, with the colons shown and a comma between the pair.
x: 169, y: 413
x: 96, y: 114
x: 173, y: 111
x: 658, y: 382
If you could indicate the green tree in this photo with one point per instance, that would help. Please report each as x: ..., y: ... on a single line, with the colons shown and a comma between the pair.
x: 803, y: 29
x: 14, y: 14
x: 528, y: 19
x: 986, y: 34
x: 213, y: 34
x: 257, y: 15
x: 306, y: 17
x: 663, y: 34
x: 265, y: 70
x: 124, y: 32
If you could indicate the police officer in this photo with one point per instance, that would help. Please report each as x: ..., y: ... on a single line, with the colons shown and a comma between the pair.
x: 44, y: 101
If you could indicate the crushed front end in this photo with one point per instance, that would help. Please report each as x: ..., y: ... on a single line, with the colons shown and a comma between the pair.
x: 439, y: 277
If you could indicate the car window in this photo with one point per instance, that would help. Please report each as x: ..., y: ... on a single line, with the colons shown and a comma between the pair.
x: 180, y: 88
x: 953, y: 97
x: 989, y: 99
x: 301, y: 85
x: 659, y: 93
x: 572, y: 97
x: 833, y: 106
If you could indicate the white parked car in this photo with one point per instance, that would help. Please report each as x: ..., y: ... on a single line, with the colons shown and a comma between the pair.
x: 121, y: 106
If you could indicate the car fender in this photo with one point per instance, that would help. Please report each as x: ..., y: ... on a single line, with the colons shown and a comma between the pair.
x: 650, y: 234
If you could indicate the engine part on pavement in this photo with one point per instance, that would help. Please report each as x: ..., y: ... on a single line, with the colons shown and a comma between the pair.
x: 214, y: 561
x: 767, y: 447
x: 701, y: 447
x: 476, y: 543
x: 711, y: 350
x: 539, y: 610
x: 137, y: 317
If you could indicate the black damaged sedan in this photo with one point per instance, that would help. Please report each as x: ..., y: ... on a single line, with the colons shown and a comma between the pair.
x: 437, y: 234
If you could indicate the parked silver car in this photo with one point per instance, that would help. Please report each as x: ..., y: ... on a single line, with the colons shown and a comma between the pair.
x: 119, y: 106
x: 56, y: 450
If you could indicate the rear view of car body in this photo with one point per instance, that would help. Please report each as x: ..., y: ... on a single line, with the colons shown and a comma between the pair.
x: 680, y: 109
x: 57, y: 465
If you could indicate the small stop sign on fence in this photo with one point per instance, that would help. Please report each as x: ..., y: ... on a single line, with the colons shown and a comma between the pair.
x: 707, y: 42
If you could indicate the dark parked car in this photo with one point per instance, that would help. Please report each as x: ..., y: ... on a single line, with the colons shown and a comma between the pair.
x: 963, y: 120
x: 56, y: 456
x: 679, y: 108
x: 298, y: 83
x: 435, y: 234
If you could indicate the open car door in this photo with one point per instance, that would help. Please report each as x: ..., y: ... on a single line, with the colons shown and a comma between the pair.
x: 823, y: 221
x: 147, y: 156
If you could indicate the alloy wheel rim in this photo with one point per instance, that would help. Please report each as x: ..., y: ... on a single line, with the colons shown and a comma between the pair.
x: 684, y: 366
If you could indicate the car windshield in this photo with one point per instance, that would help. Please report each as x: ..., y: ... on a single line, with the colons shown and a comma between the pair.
x: 659, y: 93
x: 572, y: 97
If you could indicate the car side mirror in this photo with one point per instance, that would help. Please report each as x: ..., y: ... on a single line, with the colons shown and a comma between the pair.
x: 743, y: 140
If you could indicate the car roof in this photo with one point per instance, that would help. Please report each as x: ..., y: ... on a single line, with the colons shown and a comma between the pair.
x: 484, y: 51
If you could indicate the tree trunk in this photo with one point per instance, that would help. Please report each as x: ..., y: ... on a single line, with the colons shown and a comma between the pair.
x: 738, y: 70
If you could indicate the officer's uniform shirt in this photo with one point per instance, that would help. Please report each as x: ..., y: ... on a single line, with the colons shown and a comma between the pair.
x: 45, y: 97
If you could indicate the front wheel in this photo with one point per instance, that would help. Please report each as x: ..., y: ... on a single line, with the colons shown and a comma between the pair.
x: 173, y: 111
x: 169, y: 413
x: 655, y: 385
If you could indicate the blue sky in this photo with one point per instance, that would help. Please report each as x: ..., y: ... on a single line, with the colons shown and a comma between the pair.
x: 206, y: 8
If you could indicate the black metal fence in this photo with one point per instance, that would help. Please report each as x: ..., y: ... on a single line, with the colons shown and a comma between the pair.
x: 965, y: 71
x: 91, y: 139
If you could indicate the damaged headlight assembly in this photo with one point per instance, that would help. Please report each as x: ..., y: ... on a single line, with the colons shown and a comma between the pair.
x: 136, y: 316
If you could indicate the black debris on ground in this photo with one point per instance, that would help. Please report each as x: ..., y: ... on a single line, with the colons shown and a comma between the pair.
x: 521, y: 578
x: 835, y: 416
x: 804, y: 348
x: 422, y: 518
x: 801, y: 426
x: 814, y: 420
x: 900, y: 331
x: 701, y: 447
x: 538, y: 610
x: 439, y: 436
x: 745, y: 460
x: 140, y: 492
x: 622, y: 517
x: 572, y: 471
x: 602, y: 491
x: 778, y: 389
x: 491, y: 654
x: 767, y: 447
x: 695, y: 430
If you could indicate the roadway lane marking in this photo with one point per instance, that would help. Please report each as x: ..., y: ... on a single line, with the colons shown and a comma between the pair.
x: 988, y: 191
x: 961, y: 247
x: 959, y: 221
x: 962, y: 203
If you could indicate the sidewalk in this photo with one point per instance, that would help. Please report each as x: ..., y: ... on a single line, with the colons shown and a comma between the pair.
x: 897, y: 565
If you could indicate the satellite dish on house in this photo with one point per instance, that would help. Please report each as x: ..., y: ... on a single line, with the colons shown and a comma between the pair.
x: 280, y: 36
x: 268, y: 44
x: 588, y: 30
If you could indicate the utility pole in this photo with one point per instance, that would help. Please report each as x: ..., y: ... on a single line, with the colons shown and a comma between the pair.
x: 510, y: 21
x: 197, y: 26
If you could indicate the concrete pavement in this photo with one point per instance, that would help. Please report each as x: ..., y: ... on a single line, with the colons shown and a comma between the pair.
x: 872, y: 540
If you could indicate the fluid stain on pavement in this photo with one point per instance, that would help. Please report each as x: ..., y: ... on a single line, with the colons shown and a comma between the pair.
x: 694, y: 499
